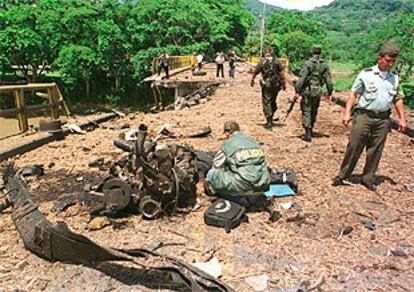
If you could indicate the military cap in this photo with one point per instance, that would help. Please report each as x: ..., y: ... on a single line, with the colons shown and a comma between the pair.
x: 389, y: 49
x: 231, y: 126
x: 316, y: 49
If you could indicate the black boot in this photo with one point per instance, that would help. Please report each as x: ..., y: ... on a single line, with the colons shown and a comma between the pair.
x: 269, y: 123
x: 308, y: 135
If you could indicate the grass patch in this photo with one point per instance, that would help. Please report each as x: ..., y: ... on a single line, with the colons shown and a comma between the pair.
x: 343, y: 75
x: 342, y: 83
x: 347, y: 67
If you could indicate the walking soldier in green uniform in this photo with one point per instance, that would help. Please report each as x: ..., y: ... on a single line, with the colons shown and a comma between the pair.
x: 314, y: 75
x: 377, y: 88
x: 273, y: 80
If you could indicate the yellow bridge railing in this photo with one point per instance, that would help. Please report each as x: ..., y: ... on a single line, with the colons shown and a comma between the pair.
x: 174, y: 62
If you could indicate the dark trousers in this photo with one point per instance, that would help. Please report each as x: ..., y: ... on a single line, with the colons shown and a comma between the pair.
x: 269, y: 95
x: 163, y: 67
x: 220, y: 68
x: 370, y: 133
x: 309, y: 107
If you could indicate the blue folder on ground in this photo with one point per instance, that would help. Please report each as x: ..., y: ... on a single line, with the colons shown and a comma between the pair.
x: 279, y: 190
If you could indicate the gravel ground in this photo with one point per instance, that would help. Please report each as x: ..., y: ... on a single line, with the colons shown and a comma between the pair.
x: 288, y: 252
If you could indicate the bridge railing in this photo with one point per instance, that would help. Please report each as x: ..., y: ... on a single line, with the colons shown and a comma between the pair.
x: 48, y: 91
x: 174, y: 62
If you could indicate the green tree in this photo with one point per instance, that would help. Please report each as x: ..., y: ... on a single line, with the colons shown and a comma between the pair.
x: 400, y: 30
x: 291, y: 34
x: 21, y: 44
x: 76, y: 62
x: 296, y: 46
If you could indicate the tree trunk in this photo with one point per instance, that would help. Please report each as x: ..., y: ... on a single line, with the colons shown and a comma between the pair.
x: 117, y: 83
x: 88, y: 88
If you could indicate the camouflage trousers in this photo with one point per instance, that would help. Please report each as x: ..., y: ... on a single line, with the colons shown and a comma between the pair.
x: 269, y: 95
x: 309, y: 106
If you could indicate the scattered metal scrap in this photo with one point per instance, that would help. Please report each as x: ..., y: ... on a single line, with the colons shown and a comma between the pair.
x: 194, y: 98
x: 58, y: 243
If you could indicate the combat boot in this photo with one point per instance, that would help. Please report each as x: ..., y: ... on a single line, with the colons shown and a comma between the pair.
x: 269, y: 123
x: 307, y: 136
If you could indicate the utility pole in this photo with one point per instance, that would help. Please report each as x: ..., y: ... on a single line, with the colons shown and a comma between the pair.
x: 262, y: 19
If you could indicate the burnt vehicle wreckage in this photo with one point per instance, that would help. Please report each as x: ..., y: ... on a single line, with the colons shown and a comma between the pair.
x: 151, y: 179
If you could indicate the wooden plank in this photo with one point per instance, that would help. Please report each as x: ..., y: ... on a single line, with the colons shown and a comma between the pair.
x: 53, y: 109
x: 62, y: 101
x: 21, y: 114
x: 29, y: 86
x: 47, y: 138
x: 174, y: 72
x: 30, y: 110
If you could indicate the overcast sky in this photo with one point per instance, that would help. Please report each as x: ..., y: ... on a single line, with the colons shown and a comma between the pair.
x: 298, y: 4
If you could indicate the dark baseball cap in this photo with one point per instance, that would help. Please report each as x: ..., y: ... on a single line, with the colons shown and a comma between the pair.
x: 231, y: 126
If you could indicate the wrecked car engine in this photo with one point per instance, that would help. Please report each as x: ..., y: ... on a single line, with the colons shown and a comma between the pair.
x: 152, y: 179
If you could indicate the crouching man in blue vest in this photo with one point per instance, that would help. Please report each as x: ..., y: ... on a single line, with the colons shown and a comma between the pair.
x: 239, y: 167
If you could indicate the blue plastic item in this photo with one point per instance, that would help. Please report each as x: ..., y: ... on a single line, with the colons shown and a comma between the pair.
x: 279, y: 190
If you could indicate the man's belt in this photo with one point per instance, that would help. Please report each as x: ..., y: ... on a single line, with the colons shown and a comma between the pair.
x: 374, y: 114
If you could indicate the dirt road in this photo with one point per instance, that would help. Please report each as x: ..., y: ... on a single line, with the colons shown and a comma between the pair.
x: 288, y: 252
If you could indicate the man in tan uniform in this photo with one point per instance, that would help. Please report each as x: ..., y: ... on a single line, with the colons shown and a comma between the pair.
x: 377, y: 89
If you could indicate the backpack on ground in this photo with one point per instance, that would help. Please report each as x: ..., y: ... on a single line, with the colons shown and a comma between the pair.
x: 225, y: 214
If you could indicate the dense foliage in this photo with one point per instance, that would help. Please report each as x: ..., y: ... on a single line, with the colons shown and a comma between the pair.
x: 105, y: 47
x: 349, y: 23
x: 291, y: 33
x: 256, y: 7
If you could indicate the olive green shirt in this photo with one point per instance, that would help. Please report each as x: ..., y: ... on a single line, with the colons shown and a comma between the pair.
x: 315, y: 73
x: 270, y: 70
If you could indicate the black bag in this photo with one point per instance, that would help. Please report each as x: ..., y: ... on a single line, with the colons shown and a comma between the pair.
x: 225, y: 214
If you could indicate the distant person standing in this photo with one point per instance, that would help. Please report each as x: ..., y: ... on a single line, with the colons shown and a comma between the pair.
x: 163, y: 61
x: 232, y: 64
x: 200, y: 58
x: 273, y: 79
x: 315, y: 73
x: 377, y: 89
x: 220, y: 64
x: 193, y: 61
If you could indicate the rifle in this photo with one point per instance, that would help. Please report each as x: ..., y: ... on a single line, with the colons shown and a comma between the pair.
x: 290, y: 109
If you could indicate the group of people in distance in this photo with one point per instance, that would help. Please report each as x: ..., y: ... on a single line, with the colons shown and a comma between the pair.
x: 196, y: 61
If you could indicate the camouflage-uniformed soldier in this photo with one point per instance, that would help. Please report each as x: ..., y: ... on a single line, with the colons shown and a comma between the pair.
x: 314, y: 75
x: 377, y: 88
x: 273, y: 80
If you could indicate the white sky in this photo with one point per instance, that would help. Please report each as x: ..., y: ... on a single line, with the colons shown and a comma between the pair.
x: 298, y: 4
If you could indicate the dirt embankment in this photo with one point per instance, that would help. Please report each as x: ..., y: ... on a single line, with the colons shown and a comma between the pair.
x: 289, y: 252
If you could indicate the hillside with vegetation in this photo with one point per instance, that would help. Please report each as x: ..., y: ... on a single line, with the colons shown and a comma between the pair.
x: 256, y: 7
x: 353, y: 25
